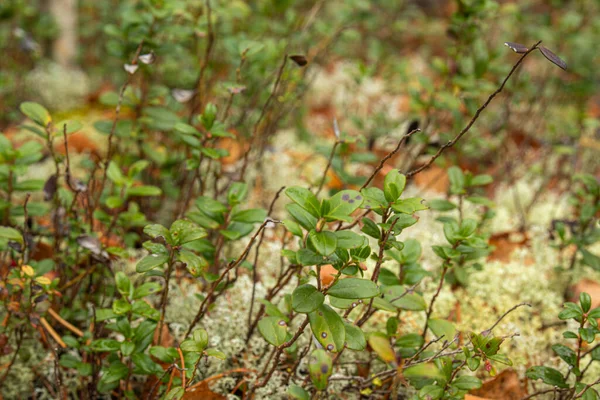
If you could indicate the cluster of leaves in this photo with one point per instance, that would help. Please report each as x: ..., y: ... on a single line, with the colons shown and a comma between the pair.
x: 587, y: 321
x: 582, y: 231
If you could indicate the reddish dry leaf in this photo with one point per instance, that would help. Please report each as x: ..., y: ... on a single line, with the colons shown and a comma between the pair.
x: 433, y: 178
x: 79, y: 142
x: 327, y: 275
x: 505, y: 244
x: 506, y: 386
x: 588, y: 286
x: 202, y: 392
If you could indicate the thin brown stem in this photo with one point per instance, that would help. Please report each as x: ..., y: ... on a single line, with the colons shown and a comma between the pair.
x: 475, y: 116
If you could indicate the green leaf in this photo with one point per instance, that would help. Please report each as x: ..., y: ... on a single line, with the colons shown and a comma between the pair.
x: 355, y: 338
x: 457, y: 180
x: 200, y: 335
x: 585, y: 301
x: 255, y: 215
x: 306, y: 298
x: 354, y: 288
x: 186, y: 129
x: 184, y: 231
x: 408, y: 301
x: 305, y: 199
x: 215, y: 353
x: 194, y: 263
x: 424, y: 370
x: 72, y: 126
x: 409, y: 206
x: 344, y: 203
x: 320, y: 368
x: 442, y: 327
x: 328, y: 328
x: 467, y: 383
x: 210, y: 207
x: 144, y: 365
x: 297, y: 392
x: 127, y: 348
x: 151, y: 261
x: 571, y: 311
x: 594, y: 314
x: 143, y: 190
x: 473, y: 363
x: 393, y: 185
x: 176, y: 393
x: 308, y: 257
x: 570, y: 335
x: 371, y: 228
x: 123, y: 284
x: 237, y: 193
x: 481, y: 180
x: 410, y: 340
x: 293, y: 227
x: 324, y: 242
x: 102, y: 345
x: 164, y: 354
x: 303, y: 217
x: 115, y: 372
x: 350, y: 240
x: 441, y: 205
x: 190, y: 345
x: 431, y: 392
x: 157, y: 230
x: 590, y: 259
x: 273, y: 329
x: 36, y: 112
x: 121, y: 306
x: 547, y: 375
x: 113, y: 172
x: 11, y: 234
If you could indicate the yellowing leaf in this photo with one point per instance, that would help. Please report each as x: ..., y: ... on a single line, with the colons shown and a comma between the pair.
x: 28, y: 270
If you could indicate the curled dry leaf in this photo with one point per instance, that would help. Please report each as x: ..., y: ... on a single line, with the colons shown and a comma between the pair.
x: 131, y: 68
x: 517, y: 47
x: 182, y: 95
x: 236, y: 89
x: 50, y: 187
x: 148, y: 58
x: 300, y: 60
x: 553, y: 58
x: 336, y: 129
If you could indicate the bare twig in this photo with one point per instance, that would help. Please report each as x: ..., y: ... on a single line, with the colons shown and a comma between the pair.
x: 475, y: 116
x: 489, y: 330
x: 387, y: 157
x: 262, y: 115
x: 232, y: 265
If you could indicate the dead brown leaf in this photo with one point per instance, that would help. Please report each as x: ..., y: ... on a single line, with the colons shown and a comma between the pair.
x: 433, y: 178
x: 506, y: 386
x: 202, y: 392
x: 588, y: 286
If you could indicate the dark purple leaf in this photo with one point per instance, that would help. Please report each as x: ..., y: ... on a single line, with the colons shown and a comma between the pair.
x: 517, y: 47
x: 553, y: 58
x: 299, y: 60
x: 50, y: 188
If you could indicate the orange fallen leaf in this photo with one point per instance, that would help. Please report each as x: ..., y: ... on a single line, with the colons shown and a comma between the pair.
x: 506, y: 386
x: 327, y: 275
x: 588, y: 286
